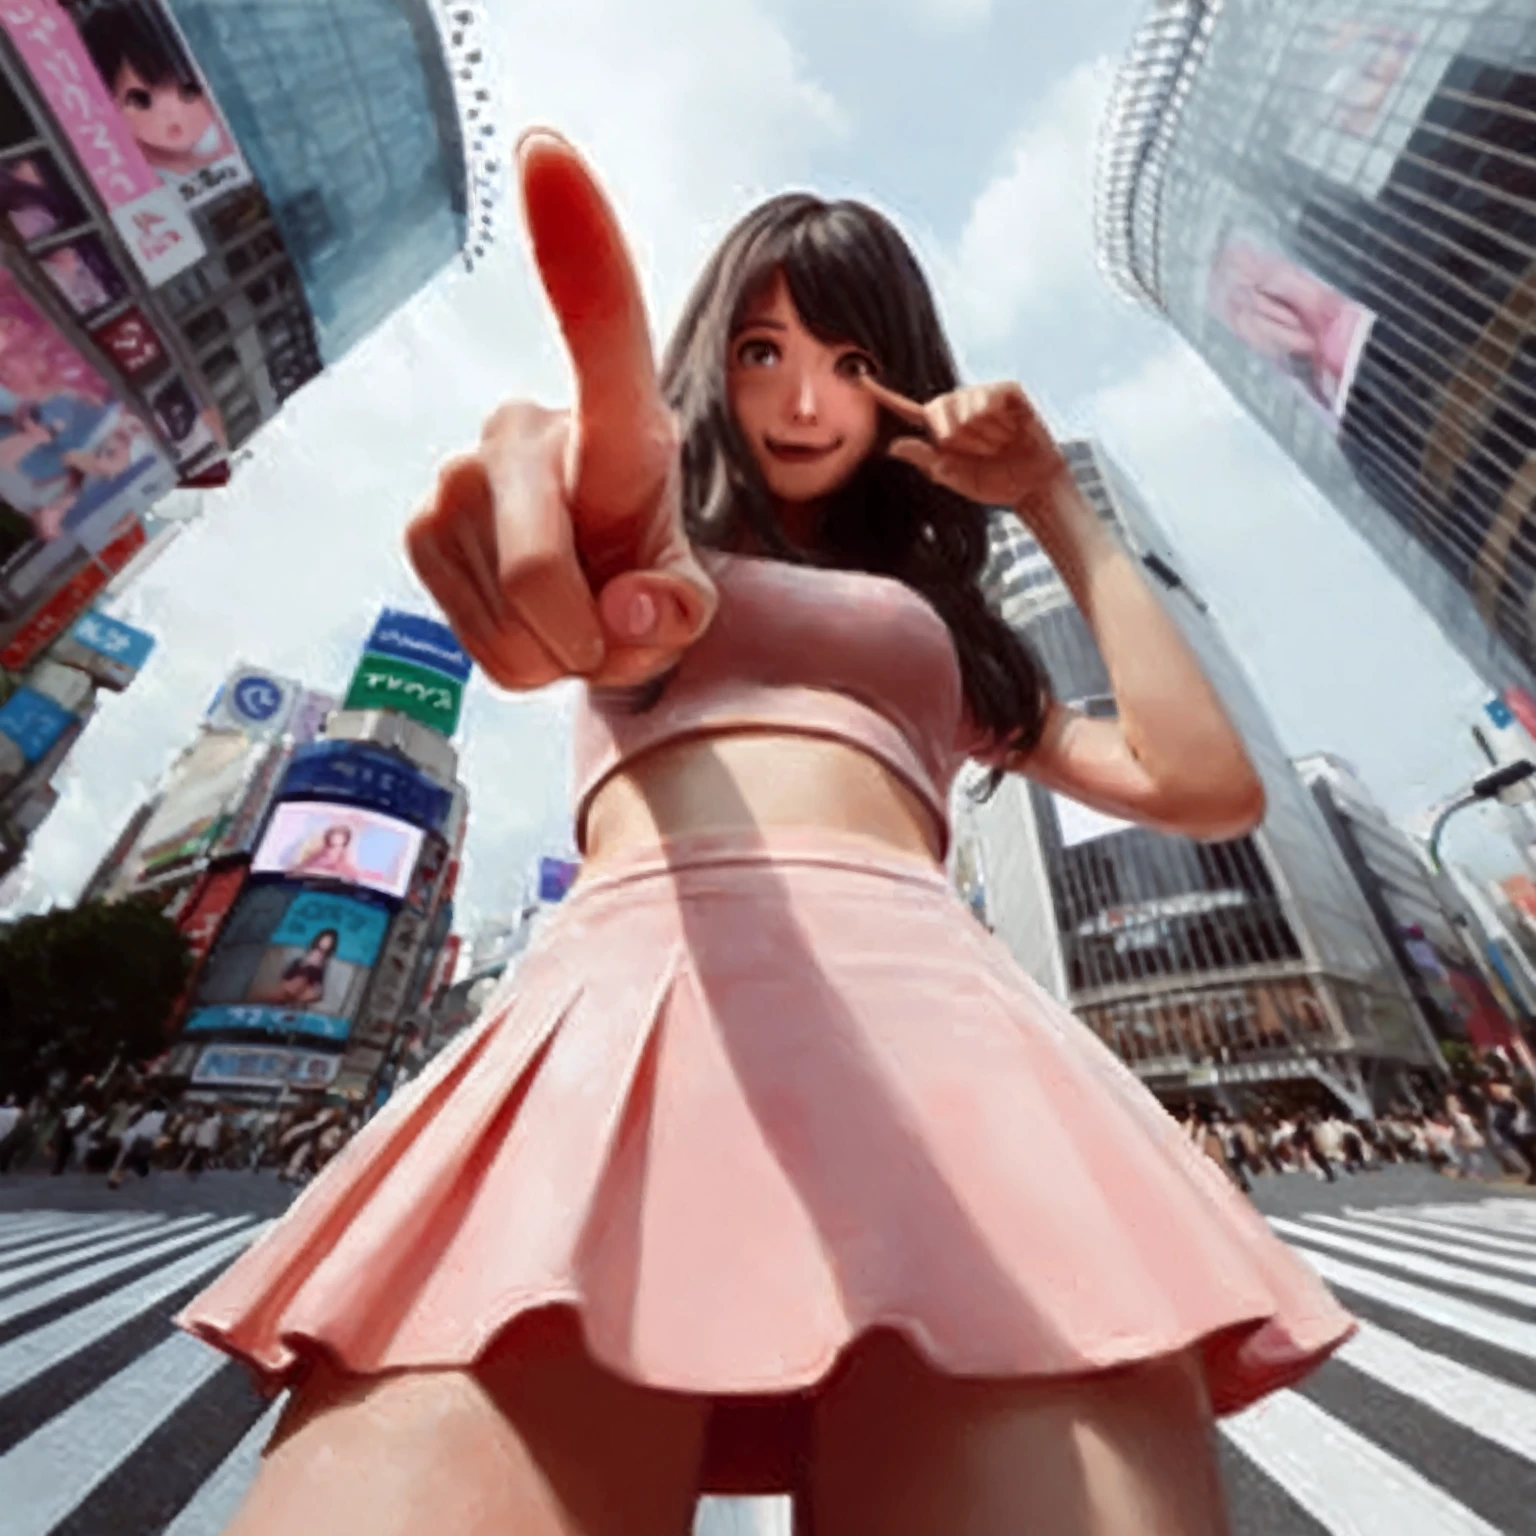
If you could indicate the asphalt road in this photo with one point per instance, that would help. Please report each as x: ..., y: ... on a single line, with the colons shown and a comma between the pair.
x: 114, y: 1424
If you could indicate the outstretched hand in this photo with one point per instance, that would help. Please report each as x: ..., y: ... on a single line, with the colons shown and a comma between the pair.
x: 557, y: 547
x: 984, y: 442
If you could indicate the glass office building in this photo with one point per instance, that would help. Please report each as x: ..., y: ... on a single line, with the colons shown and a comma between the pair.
x: 348, y: 114
x: 1219, y: 966
x: 1334, y: 201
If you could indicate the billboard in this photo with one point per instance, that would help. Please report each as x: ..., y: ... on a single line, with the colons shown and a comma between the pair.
x: 111, y: 652
x: 246, y: 1066
x: 147, y: 212
x: 33, y: 722
x: 1289, y: 318
x: 355, y: 774
x: 310, y: 839
x: 291, y: 960
x: 414, y: 666
x: 309, y: 715
x: 386, y: 682
x: 201, y: 921
x: 425, y: 642
x: 161, y: 97
x: 254, y: 702
x: 75, y: 462
x: 66, y: 604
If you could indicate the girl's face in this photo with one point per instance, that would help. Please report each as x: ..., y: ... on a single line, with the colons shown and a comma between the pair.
x: 799, y: 401
x: 167, y: 117
x: 337, y: 838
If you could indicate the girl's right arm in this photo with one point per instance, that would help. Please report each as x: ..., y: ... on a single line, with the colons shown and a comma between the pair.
x: 556, y: 548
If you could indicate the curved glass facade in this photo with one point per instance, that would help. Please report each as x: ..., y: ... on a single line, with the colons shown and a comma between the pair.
x: 1335, y: 202
x: 346, y: 112
x: 1252, y: 960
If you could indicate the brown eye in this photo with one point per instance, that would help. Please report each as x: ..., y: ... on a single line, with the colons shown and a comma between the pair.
x: 757, y: 353
x: 138, y: 98
x: 857, y: 365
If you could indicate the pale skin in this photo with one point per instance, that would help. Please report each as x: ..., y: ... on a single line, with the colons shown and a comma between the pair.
x: 557, y: 550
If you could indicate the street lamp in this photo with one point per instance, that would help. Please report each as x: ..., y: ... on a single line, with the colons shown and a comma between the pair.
x: 1509, y: 785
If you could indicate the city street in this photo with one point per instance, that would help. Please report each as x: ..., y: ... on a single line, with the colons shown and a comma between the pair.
x: 114, y: 1424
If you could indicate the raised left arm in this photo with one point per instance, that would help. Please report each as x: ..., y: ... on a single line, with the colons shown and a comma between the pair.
x: 1172, y: 758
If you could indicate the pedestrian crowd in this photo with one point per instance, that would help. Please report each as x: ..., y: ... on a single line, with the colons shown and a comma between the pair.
x: 133, y: 1128
x: 1482, y: 1125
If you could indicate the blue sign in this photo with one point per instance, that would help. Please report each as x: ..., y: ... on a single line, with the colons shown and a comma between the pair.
x: 409, y: 637
x: 352, y: 774
x: 257, y: 698
x: 1500, y: 713
x: 34, y: 722
x: 268, y: 1021
x: 113, y: 639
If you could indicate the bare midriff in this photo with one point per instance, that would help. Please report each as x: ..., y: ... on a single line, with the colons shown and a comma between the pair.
x: 747, y: 780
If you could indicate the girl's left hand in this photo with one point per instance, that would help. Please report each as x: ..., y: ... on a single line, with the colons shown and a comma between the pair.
x: 984, y: 442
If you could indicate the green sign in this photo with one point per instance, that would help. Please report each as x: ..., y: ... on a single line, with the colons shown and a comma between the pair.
x: 387, y: 682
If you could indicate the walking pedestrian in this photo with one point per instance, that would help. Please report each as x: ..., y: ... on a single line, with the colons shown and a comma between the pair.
x: 138, y: 1143
x: 70, y: 1124
x: 12, y: 1120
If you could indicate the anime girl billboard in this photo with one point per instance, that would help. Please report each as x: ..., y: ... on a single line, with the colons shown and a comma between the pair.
x: 161, y: 96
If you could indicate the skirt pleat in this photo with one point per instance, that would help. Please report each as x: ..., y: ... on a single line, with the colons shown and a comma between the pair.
x: 743, y: 1102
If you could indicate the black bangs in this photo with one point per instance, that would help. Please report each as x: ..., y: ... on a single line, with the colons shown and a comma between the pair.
x: 852, y: 279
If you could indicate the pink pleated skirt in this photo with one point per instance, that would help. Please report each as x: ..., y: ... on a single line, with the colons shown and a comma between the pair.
x: 745, y: 1099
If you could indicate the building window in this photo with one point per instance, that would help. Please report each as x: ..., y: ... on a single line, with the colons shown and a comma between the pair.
x: 206, y: 328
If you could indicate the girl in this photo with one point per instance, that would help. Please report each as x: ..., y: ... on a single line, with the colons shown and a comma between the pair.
x: 772, y: 1170
x: 302, y: 983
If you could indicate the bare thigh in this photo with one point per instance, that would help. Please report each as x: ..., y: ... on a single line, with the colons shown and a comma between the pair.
x: 904, y: 1451
x: 535, y: 1441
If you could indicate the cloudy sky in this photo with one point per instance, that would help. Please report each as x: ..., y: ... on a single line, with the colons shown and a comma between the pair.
x: 971, y: 122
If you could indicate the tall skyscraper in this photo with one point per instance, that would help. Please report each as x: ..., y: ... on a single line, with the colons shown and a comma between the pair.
x: 1204, y: 965
x: 1334, y: 201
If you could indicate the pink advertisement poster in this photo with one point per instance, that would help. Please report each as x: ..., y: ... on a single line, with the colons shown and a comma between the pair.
x: 74, y: 461
x: 149, y: 215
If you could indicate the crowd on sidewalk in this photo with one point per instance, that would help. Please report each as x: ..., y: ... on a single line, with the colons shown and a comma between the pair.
x: 128, y: 1127
x: 1481, y: 1125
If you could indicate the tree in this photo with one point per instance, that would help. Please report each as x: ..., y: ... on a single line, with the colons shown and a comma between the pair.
x: 80, y: 986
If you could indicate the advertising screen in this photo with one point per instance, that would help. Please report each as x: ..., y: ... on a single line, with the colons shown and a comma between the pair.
x: 426, y: 642
x: 321, y: 840
x: 75, y: 463
x: 1303, y: 328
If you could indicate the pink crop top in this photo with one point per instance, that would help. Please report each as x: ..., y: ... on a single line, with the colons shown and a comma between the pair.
x: 862, y: 659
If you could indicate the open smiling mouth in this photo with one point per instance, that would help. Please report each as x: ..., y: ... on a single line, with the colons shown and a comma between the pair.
x: 801, y: 453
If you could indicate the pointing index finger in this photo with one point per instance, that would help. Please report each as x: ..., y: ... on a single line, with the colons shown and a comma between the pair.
x: 898, y: 405
x: 586, y: 269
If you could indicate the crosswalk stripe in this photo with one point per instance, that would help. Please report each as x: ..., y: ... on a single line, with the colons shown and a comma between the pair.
x: 1496, y: 1328
x: 30, y: 1354
x: 1428, y: 1269
x: 66, y: 1244
x: 1494, y: 1409
x: 1342, y: 1479
x: 213, y: 1506
x: 1477, y: 1236
x: 24, y: 1230
x: 42, y: 1265
x: 1425, y: 1244
x: 48, y: 1474
x: 1497, y: 1215
x: 19, y: 1303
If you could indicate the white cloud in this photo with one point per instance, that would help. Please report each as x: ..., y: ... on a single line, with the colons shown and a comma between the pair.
x: 952, y: 13
x: 1026, y: 252
x: 292, y: 561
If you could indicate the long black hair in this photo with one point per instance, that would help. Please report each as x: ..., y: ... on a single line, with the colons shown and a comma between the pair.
x: 852, y: 279
x: 119, y: 32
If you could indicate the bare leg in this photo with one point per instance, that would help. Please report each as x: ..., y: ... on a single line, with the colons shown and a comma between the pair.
x: 541, y: 1444
x: 903, y: 1451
